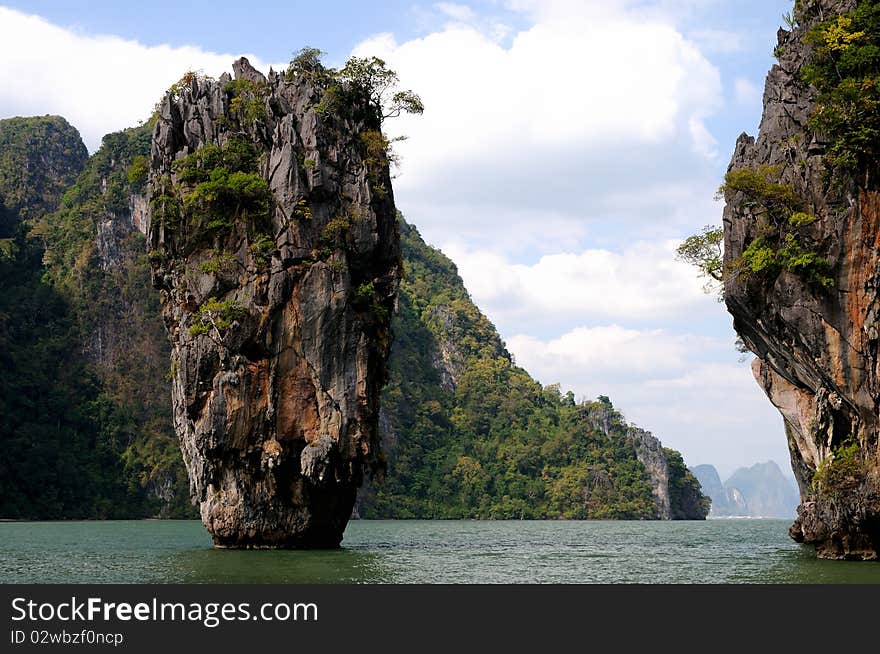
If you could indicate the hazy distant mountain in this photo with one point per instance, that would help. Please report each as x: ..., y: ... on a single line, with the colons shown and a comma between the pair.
x: 761, y: 491
x: 709, y: 480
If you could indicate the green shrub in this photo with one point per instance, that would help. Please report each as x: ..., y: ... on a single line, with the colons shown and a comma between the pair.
x: 217, y: 315
x: 186, y: 84
x: 762, y: 189
x: 705, y: 251
x: 262, y: 249
x: 766, y: 258
x: 378, y: 155
x: 362, y: 82
x: 302, y: 210
x: 363, y: 298
x: 164, y: 205
x: 331, y: 102
x: 237, y: 155
x: 217, y: 202
x: 841, y: 473
x: 138, y: 172
x: 845, y: 68
x: 334, y: 232
x: 780, y: 244
x: 247, y: 100
x: 333, y: 236
x: 801, y: 219
x: 221, y: 263
x: 307, y: 64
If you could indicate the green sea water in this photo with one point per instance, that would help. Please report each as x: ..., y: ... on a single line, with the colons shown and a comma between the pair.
x: 714, y: 551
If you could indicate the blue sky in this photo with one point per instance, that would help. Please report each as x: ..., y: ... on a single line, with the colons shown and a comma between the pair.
x: 269, y: 29
x: 566, y: 147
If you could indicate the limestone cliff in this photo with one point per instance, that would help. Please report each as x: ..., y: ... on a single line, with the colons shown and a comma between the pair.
x: 274, y: 244
x: 814, y: 333
x: 649, y: 452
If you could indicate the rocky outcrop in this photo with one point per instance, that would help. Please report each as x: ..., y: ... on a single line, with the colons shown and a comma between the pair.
x: 649, y: 452
x: 676, y: 492
x: 816, y: 345
x: 277, y: 306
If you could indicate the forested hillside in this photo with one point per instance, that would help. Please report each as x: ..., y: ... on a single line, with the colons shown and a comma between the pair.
x: 54, y: 460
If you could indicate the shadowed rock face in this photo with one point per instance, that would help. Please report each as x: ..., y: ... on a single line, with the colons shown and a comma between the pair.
x: 817, y: 348
x: 279, y: 322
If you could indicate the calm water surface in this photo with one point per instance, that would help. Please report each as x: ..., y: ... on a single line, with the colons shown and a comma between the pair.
x: 715, y: 551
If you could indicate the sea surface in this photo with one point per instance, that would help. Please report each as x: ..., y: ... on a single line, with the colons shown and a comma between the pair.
x: 458, y: 552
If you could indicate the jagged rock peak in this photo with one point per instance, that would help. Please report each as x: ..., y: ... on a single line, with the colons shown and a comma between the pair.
x: 274, y: 243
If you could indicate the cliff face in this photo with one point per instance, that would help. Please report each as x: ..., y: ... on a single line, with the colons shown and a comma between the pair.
x: 649, y: 452
x: 274, y: 244
x: 816, y: 343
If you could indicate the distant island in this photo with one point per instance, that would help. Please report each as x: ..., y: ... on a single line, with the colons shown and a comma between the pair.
x: 761, y: 491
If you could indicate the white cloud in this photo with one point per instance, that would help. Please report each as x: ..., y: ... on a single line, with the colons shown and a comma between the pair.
x: 99, y: 83
x: 558, y: 86
x: 572, y: 122
x: 746, y: 93
x: 704, y: 142
x: 606, y: 352
x: 644, y: 282
x: 686, y: 389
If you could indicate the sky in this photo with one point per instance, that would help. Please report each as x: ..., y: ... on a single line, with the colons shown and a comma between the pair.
x: 566, y: 148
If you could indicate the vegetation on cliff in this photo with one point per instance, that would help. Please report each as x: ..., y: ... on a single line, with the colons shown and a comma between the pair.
x: 85, y: 353
x: 783, y: 241
x: 845, y: 69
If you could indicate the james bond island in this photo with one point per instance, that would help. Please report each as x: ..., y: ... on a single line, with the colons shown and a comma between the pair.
x: 273, y: 240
